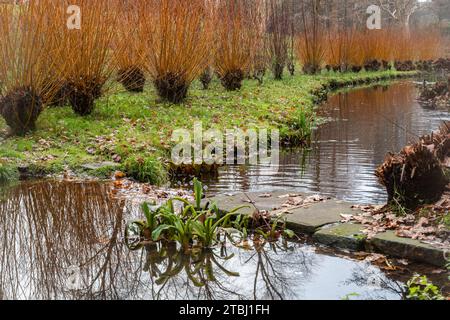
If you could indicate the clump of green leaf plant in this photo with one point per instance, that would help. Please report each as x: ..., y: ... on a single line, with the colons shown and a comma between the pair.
x: 272, y: 229
x: 446, y: 220
x: 300, y: 128
x: 138, y: 229
x: 145, y: 169
x: 193, y: 225
x: 102, y: 173
x: 420, y: 288
x: 8, y: 173
x: 396, y: 206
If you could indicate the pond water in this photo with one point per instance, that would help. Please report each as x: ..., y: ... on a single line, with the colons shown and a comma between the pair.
x: 364, y: 125
x: 64, y: 240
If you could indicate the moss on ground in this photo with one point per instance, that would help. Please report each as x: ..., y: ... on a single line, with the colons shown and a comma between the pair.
x: 135, y: 129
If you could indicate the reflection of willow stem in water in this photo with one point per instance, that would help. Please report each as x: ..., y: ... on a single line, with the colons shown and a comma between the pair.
x: 269, y: 270
x: 361, y: 276
x: 49, y: 227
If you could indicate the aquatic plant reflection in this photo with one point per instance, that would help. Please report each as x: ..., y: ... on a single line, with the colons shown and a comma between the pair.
x: 212, y: 274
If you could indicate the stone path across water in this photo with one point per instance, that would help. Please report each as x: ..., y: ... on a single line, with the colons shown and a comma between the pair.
x: 322, y: 220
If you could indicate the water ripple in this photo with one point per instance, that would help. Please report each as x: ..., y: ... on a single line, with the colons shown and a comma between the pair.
x: 364, y: 126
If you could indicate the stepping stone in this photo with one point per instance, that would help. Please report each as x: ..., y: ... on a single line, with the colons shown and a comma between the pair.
x: 302, y: 220
x: 310, y: 219
x: 344, y: 236
x: 226, y: 203
x: 263, y: 202
x: 388, y: 243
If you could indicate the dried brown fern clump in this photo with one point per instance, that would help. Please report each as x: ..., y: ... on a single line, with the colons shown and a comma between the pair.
x: 26, y: 47
x: 416, y: 175
x: 237, y: 22
x: 439, y: 144
x: 442, y: 64
x: 178, y: 37
x: 436, y: 96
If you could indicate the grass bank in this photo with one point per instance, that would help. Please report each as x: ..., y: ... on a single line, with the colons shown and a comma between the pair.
x: 134, y: 130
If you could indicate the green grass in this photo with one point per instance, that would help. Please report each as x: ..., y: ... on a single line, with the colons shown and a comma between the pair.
x: 446, y: 220
x: 8, y: 173
x: 148, y: 169
x: 138, y: 126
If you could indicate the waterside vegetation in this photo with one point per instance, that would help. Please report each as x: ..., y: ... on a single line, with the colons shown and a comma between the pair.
x: 132, y: 131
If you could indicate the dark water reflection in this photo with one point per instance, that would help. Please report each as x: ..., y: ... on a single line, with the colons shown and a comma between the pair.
x: 49, y: 230
x: 364, y: 126
x: 64, y: 240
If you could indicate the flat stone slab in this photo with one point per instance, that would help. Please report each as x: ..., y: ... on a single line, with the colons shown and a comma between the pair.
x: 302, y: 220
x: 344, y: 236
x: 388, y: 243
x: 253, y: 200
x: 322, y: 220
x: 310, y: 219
x: 100, y: 165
